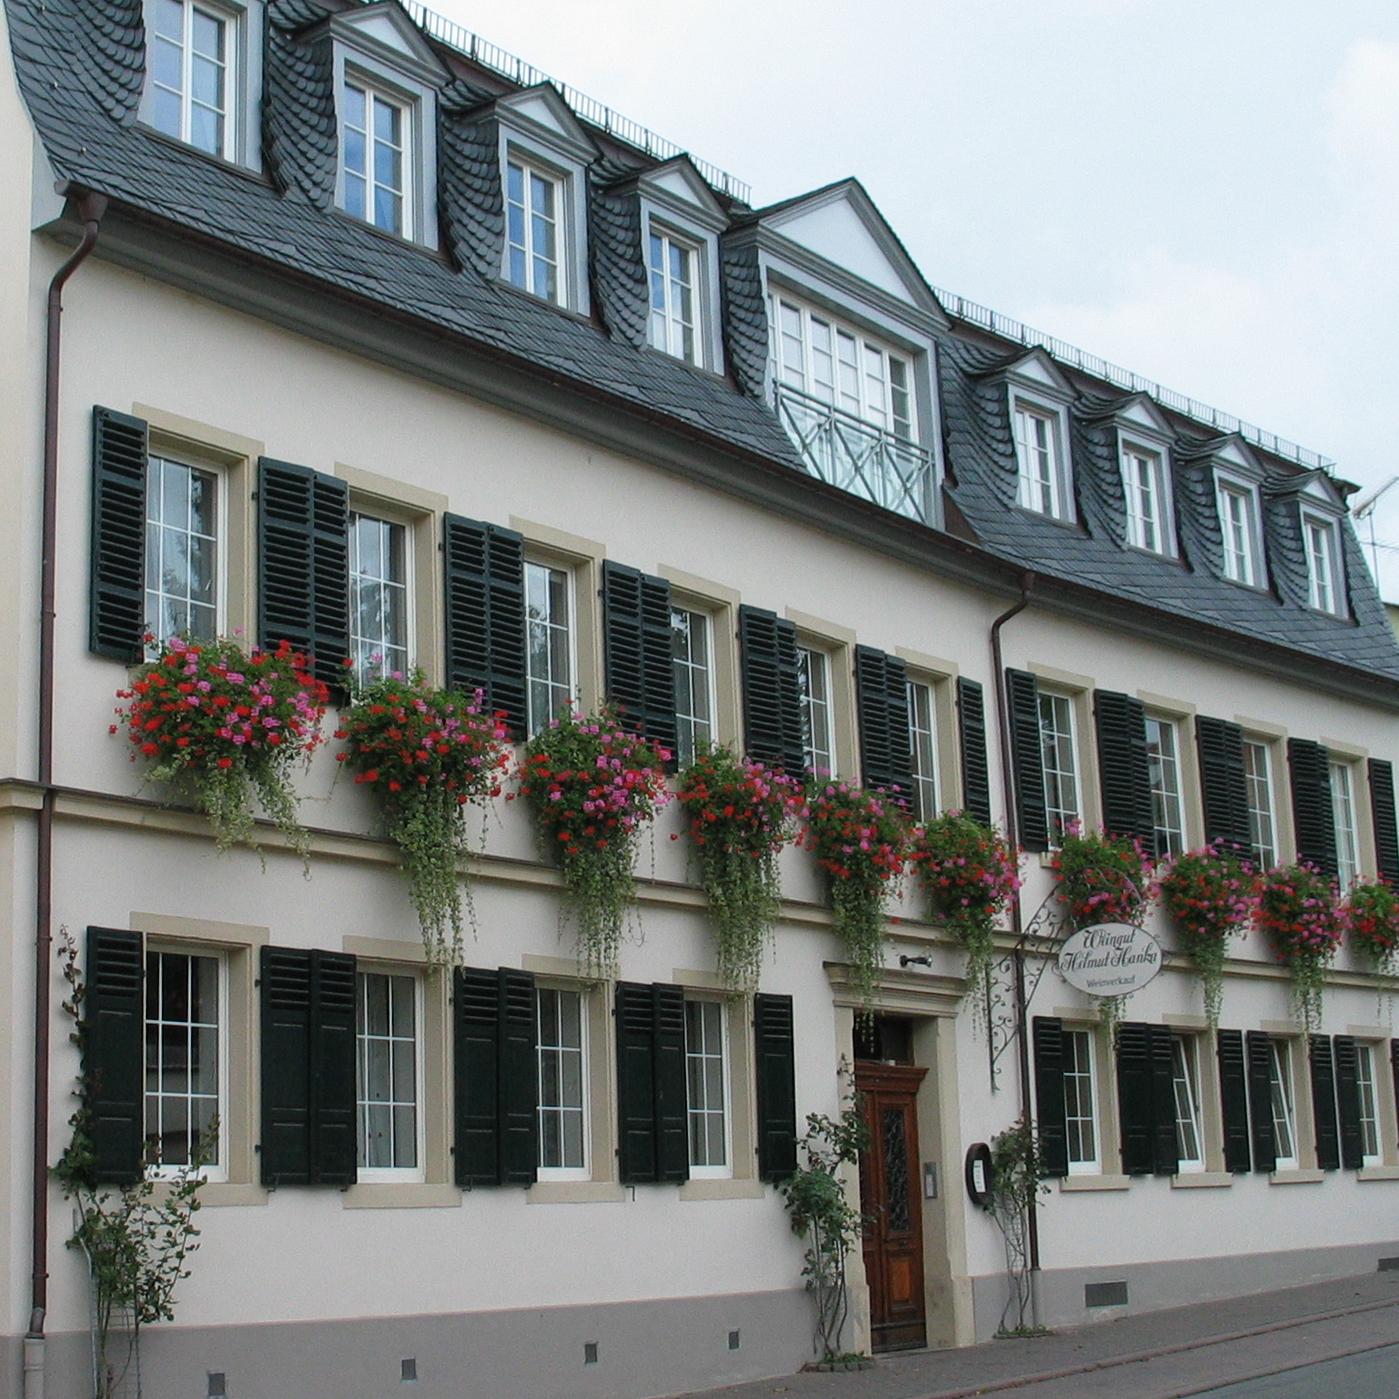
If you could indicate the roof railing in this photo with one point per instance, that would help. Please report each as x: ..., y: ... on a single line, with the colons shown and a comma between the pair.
x: 1011, y: 329
x: 632, y: 133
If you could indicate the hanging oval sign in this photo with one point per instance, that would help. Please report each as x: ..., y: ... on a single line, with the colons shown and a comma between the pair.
x: 1110, y: 959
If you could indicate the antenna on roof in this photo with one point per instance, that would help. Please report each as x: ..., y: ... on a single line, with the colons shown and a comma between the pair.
x: 1367, y: 508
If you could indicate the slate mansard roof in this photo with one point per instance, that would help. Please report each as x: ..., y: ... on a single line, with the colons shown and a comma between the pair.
x: 81, y: 68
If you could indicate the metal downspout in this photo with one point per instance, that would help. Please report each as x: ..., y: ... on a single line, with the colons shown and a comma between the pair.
x: 90, y: 207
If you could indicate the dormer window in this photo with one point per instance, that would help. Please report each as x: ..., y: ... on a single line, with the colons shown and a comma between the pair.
x: 1324, y: 583
x: 375, y: 152
x: 671, y: 263
x: 534, y: 204
x: 1238, y: 523
x: 192, y: 57
x: 1042, y: 485
x: 1148, y: 508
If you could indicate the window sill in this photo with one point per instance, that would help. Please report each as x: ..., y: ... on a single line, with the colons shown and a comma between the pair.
x: 1201, y: 1180
x: 714, y: 1189
x: 1071, y: 1185
x: 410, y: 1195
x: 1309, y: 1176
x: 218, y: 1193
x: 1378, y: 1173
x: 576, y: 1192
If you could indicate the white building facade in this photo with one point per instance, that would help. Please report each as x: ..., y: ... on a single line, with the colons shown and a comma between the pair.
x: 331, y: 251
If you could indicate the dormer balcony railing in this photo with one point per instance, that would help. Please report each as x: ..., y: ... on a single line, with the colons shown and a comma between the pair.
x: 856, y: 456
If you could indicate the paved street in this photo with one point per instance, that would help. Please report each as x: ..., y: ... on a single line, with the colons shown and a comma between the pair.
x: 1337, y: 1340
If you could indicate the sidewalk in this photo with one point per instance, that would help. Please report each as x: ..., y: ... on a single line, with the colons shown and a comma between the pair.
x: 1155, y: 1355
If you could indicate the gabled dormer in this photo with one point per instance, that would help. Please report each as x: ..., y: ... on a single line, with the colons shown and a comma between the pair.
x: 1144, y: 441
x: 1235, y: 478
x: 1312, y: 504
x: 1038, y: 399
x: 852, y: 329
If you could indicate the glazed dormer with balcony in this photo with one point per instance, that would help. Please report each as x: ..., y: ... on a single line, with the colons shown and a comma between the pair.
x: 851, y: 347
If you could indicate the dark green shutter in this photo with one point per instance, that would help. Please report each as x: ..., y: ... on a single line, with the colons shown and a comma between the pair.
x: 881, y: 694
x: 971, y: 734
x: 1124, y: 769
x: 1233, y: 1100
x: 334, y: 1148
x: 484, y: 575
x: 638, y: 652
x: 1165, y: 1149
x: 772, y: 717
x: 1051, y: 1124
x: 476, y: 1076
x: 518, y: 1096
x: 114, y: 1055
x: 1394, y: 1073
x: 1323, y: 1075
x: 117, y: 564
x: 774, y: 1048
x: 1386, y: 824
x: 304, y: 580
x: 1224, y: 784
x: 672, y: 1098
x: 636, y: 1078
x: 1027, y: 758
x: 286, y: 1066
x: 1348, y: 1103
x: 1259, y: 1050
x: 1134, y: 1098
x: 1312, y: 818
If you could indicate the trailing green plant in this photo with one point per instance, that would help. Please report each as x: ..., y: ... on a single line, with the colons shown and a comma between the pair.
x: 427, y: 754
x: 1017, y: 1179
x: 1210, y: 894
x: 741, y: 814
x: 137, y: 1239
x: 1300, y: 916
x: 824, y: 1218
x: 593, y: 786
x: 860, y: 839
x: 1371, y: 916
x: 969, y: 873
x: 224, y: 725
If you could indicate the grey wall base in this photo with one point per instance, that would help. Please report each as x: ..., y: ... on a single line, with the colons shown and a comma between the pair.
x: 643, y: 1349
x: 1177, y: 1283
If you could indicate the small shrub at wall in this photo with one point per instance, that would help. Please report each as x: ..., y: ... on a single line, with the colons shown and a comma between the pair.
x: 1299, y: 915
x: 426, y: 754
x: 225, y: 726
x: 1101, y: 878
x: 1210, y: 895
x: 593, y: 787
x: 860, y: 839
x: 741, y: 814
x: 969, y: 874
x: 1371, y: 916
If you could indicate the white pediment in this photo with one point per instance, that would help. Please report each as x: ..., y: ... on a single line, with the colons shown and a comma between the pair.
x: 1234, y: 451
x: 842, y: 225
x: 1039, y: 368
x: 544, y: 108
x: 388, y: 28
x: 1140, y: 412
x: 681, y: 183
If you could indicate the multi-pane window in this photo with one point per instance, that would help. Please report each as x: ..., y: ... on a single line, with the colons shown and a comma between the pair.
x: 1144, y: 484
x: 378, y: 597
x: 1185, y: 1075
x: 922, y: 744
x: 1284, y: 1114
x: 814, y: 680
x: 1040, y: 485
x: 563, y: 1151
x: 1060, y: 758
x: 1322, y: 582
x: 1369, y: 1106
x: 184, y: 1057
x: 1262, y: 825
x: 706, y: 1088
x: 1080, y: 1102
x: 191, y: 55
x: 841, y: 367
x: 694, y: 686
x: 1343, y: 818
x: 386, y: 1071
x: 181, y: 551
x: 1237, y: 524
x: 534, y: 232
x: 374, y: 157
x: 673, y: 267
x: 549, y: 622
x: 1163, y: 762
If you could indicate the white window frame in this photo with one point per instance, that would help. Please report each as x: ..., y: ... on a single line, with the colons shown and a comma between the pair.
x: 1059, y: 816
x: 1029, y: 488
x: 1163, y: 796
x: 234, y: 42
x: 1282, y: 1092
x: 532, y: 169
x: 220, y: 538
x: 923, y: 750
x: 1344, y: 819
x: 1371, y: 1123
x: 1325, y: 576
x: 683, y: 719
x: 401, y: 1174
x: 217, y: 1171
x: 409, y: 600
x: 671, y: 323
x: 1085, y: 1166
x: 725, y: 1171
x: 377, y: 95
x: 584, y: 1171
x: 1148, y: 466
x: 531, y: 681
x: 1245, y: 492
x: 810, y: 706
x: 1252, y: 782
x: 1185, y: 1073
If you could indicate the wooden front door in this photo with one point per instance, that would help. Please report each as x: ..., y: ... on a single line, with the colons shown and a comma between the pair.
x: 891, y: 1200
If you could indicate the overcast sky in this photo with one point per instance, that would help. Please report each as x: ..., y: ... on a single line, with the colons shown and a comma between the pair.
x: 1205, y: 191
